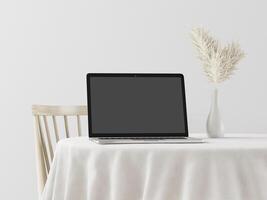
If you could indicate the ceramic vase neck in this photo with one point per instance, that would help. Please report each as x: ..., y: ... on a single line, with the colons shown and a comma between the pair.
x: 215, y: 97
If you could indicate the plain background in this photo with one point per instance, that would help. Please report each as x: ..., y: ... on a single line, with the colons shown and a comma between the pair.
x: 47, y: 47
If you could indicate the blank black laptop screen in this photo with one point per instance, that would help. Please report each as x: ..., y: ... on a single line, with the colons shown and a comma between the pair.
x: 136, y: 106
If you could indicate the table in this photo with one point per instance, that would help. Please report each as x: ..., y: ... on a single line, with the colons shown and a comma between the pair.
x: 230, y: 168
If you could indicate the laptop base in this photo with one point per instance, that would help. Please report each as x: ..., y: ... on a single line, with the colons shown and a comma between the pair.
x: 178, y: 140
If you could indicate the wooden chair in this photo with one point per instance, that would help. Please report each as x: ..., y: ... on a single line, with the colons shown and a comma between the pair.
x: 47, y: 124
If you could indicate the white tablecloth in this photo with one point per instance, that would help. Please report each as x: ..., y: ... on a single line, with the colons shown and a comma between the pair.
x: 221, y: 169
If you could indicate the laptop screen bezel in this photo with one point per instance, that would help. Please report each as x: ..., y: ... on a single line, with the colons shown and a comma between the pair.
x: 141, y: 135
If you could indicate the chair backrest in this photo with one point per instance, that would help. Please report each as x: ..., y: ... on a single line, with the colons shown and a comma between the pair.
x: 48, y: 126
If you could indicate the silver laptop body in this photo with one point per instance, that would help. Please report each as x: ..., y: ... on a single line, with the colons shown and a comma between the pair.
x: 137, y: 108
x: 179, y: 140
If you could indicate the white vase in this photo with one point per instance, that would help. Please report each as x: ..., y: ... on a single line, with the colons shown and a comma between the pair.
x: 214, y: 121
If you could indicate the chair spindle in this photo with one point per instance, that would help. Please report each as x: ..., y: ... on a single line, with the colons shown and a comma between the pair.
x: 79, y: 125
x: 66, y: 126
x: 48, y: 138
x: 55, y: 127
x: 43, y: 144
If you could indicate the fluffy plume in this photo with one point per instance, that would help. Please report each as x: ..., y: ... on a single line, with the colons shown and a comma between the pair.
x: 218, y: 62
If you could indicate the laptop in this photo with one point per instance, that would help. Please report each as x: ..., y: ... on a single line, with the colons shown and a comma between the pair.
x: 137, y: 108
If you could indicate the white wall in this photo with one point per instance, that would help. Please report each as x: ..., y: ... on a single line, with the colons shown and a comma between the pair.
x: 47, y: 47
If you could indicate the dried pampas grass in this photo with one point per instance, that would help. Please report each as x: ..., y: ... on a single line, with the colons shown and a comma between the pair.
x: 218, y: 62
